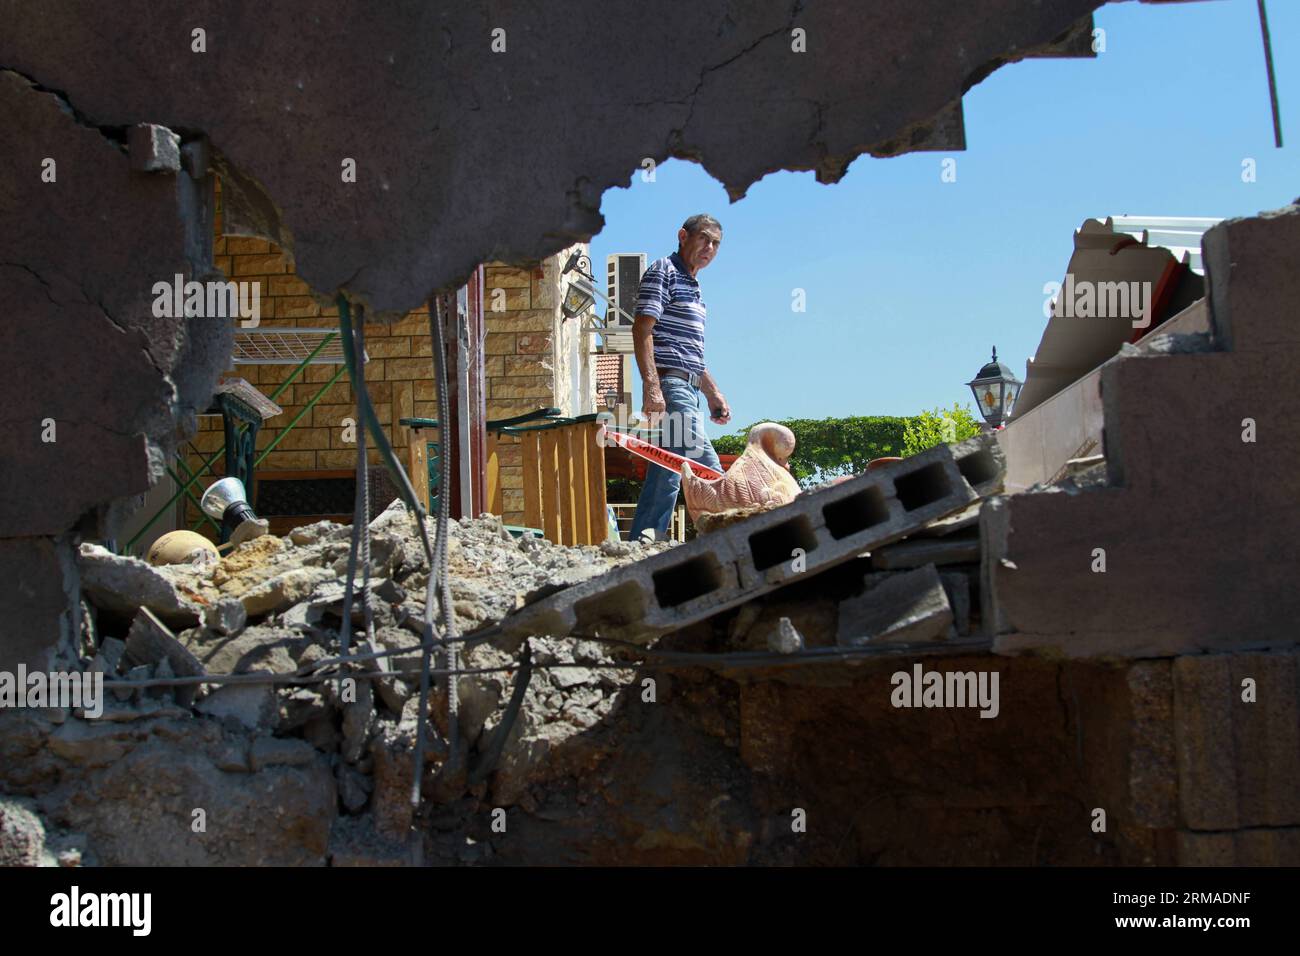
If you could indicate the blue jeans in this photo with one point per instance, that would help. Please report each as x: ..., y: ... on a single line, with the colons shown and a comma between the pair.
x: 682, y: 432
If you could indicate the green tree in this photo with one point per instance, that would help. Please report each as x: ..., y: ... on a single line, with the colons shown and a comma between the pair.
x: 937, y: 427
x: 827, y: 448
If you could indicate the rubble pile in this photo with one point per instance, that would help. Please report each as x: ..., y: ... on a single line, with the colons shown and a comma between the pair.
x: 305, y: 753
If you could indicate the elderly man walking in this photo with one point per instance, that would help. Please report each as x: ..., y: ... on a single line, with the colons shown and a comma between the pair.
x: 668, y: 334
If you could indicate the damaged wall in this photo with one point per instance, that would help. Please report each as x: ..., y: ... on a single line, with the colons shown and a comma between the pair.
x: 433, y: 119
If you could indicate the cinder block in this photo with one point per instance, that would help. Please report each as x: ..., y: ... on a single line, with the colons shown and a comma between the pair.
x: 717, y: 571
x: 1203, y: 733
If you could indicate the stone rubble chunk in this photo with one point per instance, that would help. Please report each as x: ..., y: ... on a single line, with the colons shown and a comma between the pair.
x: 123, y: 585
x: 785, y: 639
x: 390, y: 798
x: 138, y: 672
x: 298, y: 706
x: 317, y: 532
x: 254, y: 706
x: 283, y: 591
x: 154, y: 149
x: 89, y: 743
x: 22, y: 834
x: 260, y: 647
x: 356, y: 720
x: 226, y: 616
x: 112, y: 649
x: 564, y: 677
x: 478, y: 701
x: 162, y: 672
x: 904, y: 608
x: 354, y: 787
x: 150, y: 642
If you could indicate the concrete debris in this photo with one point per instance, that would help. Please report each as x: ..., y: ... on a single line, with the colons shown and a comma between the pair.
x: 154, y: 149
x: 227, y: 616
x: 22, y: 835
x: 252, y: 706
x: 957, y: 585
x: 785, y: 640
x: 901, y: 609
x: 150, y: 643
x: 123, y: 585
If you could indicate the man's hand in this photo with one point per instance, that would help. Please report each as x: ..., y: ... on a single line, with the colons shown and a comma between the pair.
x: 652, y: 404
x: 719, y: 410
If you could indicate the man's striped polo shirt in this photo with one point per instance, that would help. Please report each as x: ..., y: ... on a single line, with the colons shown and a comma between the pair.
x: 670, y: 295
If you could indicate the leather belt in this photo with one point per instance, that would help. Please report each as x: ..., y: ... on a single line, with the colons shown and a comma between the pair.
x: 691, y: 378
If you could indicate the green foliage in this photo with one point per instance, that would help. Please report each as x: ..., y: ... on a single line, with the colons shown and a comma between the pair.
x: 831, y: 447
x: 935, y: 427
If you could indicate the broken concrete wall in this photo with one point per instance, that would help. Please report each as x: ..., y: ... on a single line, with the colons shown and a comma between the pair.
x: 430, y: 116
x: 100, y: 385
x: 1193, y: 543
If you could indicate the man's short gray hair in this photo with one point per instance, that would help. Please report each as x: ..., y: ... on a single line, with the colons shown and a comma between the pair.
x: 700, y: 221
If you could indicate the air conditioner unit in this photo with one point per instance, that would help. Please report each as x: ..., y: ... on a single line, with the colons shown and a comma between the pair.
x: 624, y: 277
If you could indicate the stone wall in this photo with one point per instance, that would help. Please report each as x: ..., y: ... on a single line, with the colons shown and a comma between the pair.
x: 529, y: 358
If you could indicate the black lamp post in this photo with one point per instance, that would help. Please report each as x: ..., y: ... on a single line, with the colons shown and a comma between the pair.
x: 995, y: 391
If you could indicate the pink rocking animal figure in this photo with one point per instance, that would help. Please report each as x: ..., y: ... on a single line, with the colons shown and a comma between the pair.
x: 758, y: 478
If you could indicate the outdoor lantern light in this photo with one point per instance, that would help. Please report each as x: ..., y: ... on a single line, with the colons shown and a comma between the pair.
x: 578, y: 298
x: 611, y: 399
x: 227, y: 502
x: 582, y: 290
x: 995, y: 391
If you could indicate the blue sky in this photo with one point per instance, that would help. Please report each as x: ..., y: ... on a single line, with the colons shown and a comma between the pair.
x: 910, y: 280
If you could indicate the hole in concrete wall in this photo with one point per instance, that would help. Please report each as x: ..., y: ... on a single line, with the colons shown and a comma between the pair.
x: 617, y: 607
x: 860, y: 511
x: 687, y: 581
x: 978, y: 468
x: 775, y: 545
x: 922, y: 487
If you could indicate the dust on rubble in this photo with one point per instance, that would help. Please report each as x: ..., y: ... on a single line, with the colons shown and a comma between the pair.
x: 290, y: 753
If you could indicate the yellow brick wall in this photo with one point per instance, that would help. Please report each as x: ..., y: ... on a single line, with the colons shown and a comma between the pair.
x: 519, y: 365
